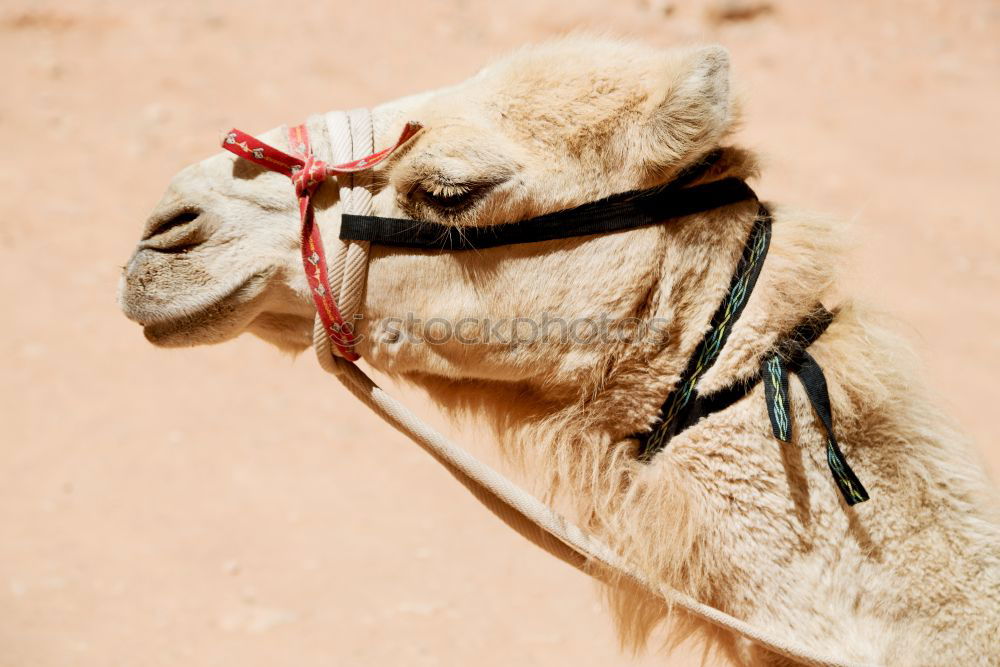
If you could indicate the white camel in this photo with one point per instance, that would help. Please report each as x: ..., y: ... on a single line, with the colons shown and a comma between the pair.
x: 725, y: 512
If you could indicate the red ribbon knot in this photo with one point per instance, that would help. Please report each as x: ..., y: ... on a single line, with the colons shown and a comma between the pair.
x: 308, y: 173
x: 308, y: 177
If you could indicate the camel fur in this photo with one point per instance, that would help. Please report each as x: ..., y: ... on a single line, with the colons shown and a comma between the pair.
x: 725, y: 513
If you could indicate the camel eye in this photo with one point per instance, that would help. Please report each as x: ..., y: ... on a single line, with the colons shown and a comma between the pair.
x: 448, y: 198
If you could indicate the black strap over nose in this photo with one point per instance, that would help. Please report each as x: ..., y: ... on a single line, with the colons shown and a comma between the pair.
x: 614, y: 214
x: 620, y: 212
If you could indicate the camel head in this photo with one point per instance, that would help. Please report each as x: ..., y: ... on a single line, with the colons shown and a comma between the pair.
x: 547, y: 128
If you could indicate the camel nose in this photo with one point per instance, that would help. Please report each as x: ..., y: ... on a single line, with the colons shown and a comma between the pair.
x: 175, y: 228
x: 161, y: 224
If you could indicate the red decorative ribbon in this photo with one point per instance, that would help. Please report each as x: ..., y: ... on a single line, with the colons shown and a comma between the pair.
x: 307, y: 173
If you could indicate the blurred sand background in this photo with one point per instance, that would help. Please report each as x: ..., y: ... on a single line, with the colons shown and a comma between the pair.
x: 190, y: 507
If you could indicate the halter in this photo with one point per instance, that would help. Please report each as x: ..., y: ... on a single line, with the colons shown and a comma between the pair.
x: 351, y: 134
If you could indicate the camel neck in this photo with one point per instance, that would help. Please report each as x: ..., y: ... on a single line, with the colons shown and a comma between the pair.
x: 685, y: 405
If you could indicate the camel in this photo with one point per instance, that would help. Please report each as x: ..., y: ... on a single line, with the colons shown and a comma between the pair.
x: 725, y: 512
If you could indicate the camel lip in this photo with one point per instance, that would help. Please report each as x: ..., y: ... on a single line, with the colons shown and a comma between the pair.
x: 158, y: 324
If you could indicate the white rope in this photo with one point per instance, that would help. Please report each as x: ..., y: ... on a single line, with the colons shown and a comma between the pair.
x: 351, y: 137
x: 356, y: 265
x: 530, y: 517
x: 338, y: 131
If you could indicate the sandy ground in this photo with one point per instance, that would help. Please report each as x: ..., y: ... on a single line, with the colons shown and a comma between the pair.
x: 230, y: 506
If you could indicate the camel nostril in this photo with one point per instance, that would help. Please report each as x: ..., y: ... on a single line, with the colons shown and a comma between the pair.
x: 166, y: 224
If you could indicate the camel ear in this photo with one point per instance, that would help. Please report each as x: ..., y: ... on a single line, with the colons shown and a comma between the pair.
x: 694, y: 108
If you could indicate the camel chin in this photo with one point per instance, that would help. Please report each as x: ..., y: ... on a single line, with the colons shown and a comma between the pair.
x: 287, y: 332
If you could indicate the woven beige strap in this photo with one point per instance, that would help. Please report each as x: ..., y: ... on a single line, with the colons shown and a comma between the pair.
x: 520, y: 510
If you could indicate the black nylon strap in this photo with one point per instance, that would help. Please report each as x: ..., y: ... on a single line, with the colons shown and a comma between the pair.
x: 774, y: 369
x: 774, y: 375
x: 679, y: 410
x: 788, y: 348
x: 789, y: 356
x: 811, y: 375
x: 616, y: 213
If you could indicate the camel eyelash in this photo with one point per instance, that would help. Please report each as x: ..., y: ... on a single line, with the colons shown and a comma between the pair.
x: 447, y: 198
x: 446, y: 191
